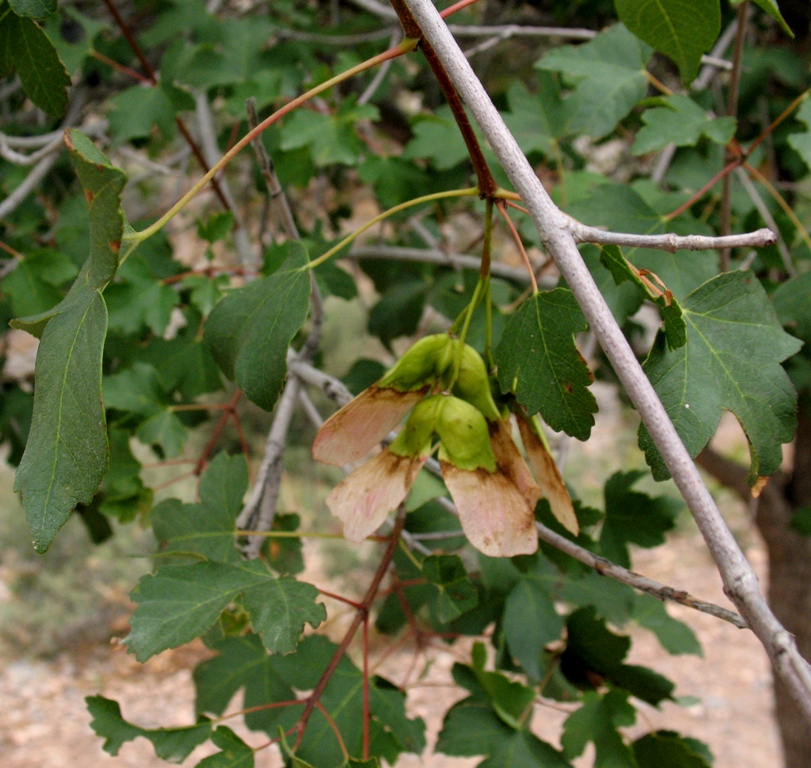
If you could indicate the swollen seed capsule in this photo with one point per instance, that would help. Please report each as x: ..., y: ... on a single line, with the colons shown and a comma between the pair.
x: 415, y: 437
x: 418, y: 366
x: 473, y: 384
x: 464, y: 435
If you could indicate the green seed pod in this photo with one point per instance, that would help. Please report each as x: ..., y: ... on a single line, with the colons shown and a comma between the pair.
x: 473, y: 384
x: 418, y: 366
x: 464, y: 436
x: 414, y: 438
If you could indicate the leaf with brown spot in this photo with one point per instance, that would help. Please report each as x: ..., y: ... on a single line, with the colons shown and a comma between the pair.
x: 65, y: 458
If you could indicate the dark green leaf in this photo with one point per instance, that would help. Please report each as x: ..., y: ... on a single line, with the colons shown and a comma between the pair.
x: 666, y: 748
x: 675, y: 329
x: 597, y: 721
x: 216, y: 226
x: 633, y: 517
x: 437, y: 138
x: 457, y: 595
x: 135, y: 390
x: 538, y: 361
x: 66, y: 455
x: 171, y: 744
x: 391, y: 732
x: 207, y: 528
x: 140, y: 302
x: 32, y: 286
x: 331, y: 138
x: 530, y: 622
x: 793, y: 307
x: 801, y: 142
x: 82, y: 33
x: 34, y: 9
x: 250, y: 330
x: 770, y: 7
x: 141, y: 108
x: 681, y: 29
x: 680, y: 121
x: 731, y: 362
x: 26, y: 48
x: 675, y: 636
x: 399, y: 311
x: 594, y: 653
x: 164, y: 430
x: 185, y: 363
x: 611, y: 74
x: 511, y: 701
x: 472, y: 728
x: 611, y: 599
x: 623, y: 300
x: 242, y: 662
x: 235, y: 752
x: 181, y: 602
x: 537, y: 120
x: 122, y: 492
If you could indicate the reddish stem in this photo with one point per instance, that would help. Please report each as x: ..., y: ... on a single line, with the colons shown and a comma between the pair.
x: 502, y: 209
x: 451, y: 9
x: 152, y: 78
x: 366, y: 687
x: 335, y: 729
x: 120, y: 67
x: 340, y: 599
x: 360, y: 617
x: 701, y: 192
x: 212, y: 441
x: 487, y: 184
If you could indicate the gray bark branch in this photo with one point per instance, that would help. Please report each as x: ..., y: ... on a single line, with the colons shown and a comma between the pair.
x: 740, y: 581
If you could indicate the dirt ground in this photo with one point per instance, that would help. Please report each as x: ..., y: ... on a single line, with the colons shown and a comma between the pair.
x: 43, y: 720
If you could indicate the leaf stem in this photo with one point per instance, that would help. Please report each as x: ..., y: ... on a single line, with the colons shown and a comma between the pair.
x: 405, y: 46
x: 469, y: 192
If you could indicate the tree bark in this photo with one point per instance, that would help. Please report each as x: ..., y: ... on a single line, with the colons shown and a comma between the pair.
x: 789, y: 558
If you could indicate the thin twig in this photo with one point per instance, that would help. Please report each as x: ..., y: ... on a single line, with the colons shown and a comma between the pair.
x: 605, y: 567
x: 732, y: 111
x: 275, y: 190
x: 764, y: 211
x: 382, y: 72
x: 260, y: 509
x: 18, y: 158
x: 670, y: 242
x: 442, y: 258
x: 211, y: 153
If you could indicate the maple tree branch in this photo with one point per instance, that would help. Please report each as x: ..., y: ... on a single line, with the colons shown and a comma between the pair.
x: 663, y: 592
x: 740, y: 581
x: 670, y: 242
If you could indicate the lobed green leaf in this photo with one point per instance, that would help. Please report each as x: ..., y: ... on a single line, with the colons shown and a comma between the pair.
x: 731, y: 362
x: 180, y: 602
x: 682, y: 29
x: 610, y: 70
x: 538, y: 361
x: 171, y: 744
